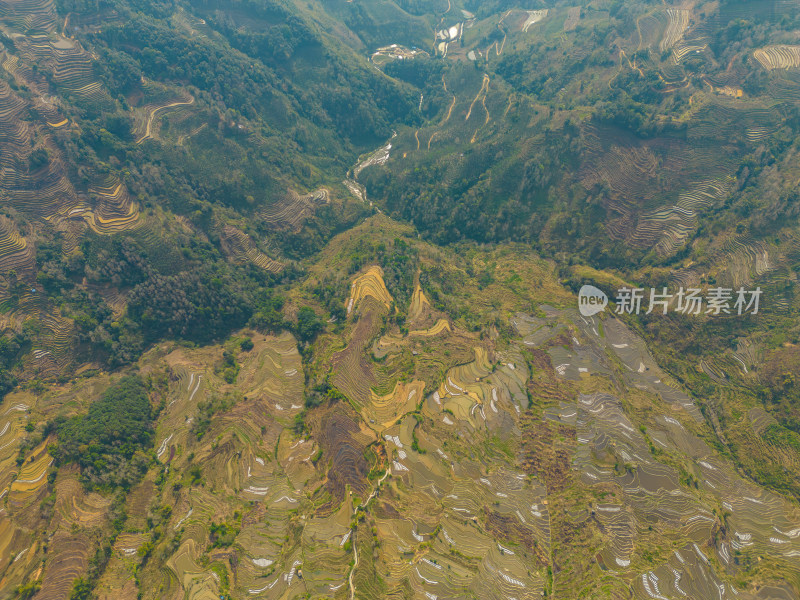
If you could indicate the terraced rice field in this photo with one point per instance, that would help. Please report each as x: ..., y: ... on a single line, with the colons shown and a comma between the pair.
x: 114, y: 209
x: 631, y: 172
x: 786, y: 86
x: 607, y: 438
x: 377, y: 157
x: 461, y: 555
x: 381, y: 412
x: 444, y: 37
x: 15, y: 253
x: 677, y: 24
x: 370, y: 284
x: 45, y: 193
x: 275, y: 375
x: 42, y: 194
x: 747, y: 260
x: 292, y: 209
x: 420, y: 306
x: 463, y: 550
x: 68, y: 561
x: 18, y: 544
x: 356, y: 189
x: 249, y: 459
x: 441, y: 326
x: 625, y: 168
x: 150, y: 112
x: 533, y: 17
x: 567, y: 440
x: 573, y: 17
x: 51, y: 345
x: 694, y: 41
x: 548, y: 463
x: 71, y: 67
x: 651, y: 28
x: 73, y: 71
x: 76, y: 506
x: 674, y: 224
x: 353, y: 374
x: 31, y: 477
x: 739, y: 262
x: 778, y: 57
x: 644, y: 211
x: 13, y: 417
x: 118, y: 581
x: 240, y: 247
x: 30, y: 14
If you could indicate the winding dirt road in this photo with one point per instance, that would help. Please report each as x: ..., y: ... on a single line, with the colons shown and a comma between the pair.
x: 355, y: 551
x: 152, y: 115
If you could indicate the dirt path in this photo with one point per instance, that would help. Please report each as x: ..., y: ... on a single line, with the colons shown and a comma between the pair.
x: 632, y: 65
x: 355, y: 551
x: 510, y: 99
x: 446, y: 117
x: 452, y: 104
x: 353, y: 570
x: 639, y: 31
x: 183, y: 138
x: 153, y: 114
x: 483, y: 90
x: 486, y: 122
x: 498, y: 48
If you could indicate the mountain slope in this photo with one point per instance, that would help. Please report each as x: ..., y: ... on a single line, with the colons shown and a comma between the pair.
x: 288, y: 297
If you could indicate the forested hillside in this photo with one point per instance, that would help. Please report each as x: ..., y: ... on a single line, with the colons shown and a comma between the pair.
x: 288, y: 299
